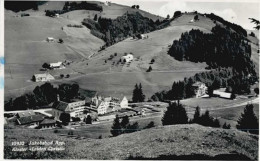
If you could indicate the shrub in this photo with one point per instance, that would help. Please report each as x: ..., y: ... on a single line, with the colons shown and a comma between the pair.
x: 70, y: 133
x: 150, y: 125
x: 226, y: 126
x: 149, y: 69
x: 60, y: 41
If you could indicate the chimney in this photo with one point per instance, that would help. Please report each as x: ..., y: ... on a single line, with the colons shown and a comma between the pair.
x: 58, y: 97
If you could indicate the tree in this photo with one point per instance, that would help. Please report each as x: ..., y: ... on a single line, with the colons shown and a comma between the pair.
x: 133, y: 6
x: 149, y: 69
x: 256, y: 90
x: 175, y: 114
x: 152, y: 61
x: 46, y: 66
x: 132, y: 128
x: 65, y: 118
x: 62, y: 76
x: 137, y: 6
x: 67, y: 76
x: 168, y: 17
x: 257, y: 22
x: 116, y: 127
x: 138, y: 95
x: 226, y: 126
x: 124, y: 123
x: 248, y: 121
x: 196, y: 17
x: 95, y: 17
x: 177, y: 14
x: 88, y: 120
x: 196, y: 118
x: 150, y: 125
x: 60, y: 41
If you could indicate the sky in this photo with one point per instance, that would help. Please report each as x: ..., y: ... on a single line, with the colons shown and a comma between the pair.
x: 235, y: 11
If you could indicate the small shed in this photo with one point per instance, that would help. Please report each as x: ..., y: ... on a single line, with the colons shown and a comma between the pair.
x: 50, y: 39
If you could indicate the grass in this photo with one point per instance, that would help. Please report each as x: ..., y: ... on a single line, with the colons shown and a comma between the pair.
x: 151, y: 143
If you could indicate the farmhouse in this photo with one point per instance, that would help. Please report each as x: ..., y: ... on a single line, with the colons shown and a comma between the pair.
x: 28, y: 117
x: 56, y: 65
x: 127, y: 58
x: 42, y: 77
x: 199, y: 89
x: 75, y: 108
x: 222, y: 94
x: 50, y: 39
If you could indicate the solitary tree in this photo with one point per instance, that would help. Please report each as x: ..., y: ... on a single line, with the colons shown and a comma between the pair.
x: 46, y: 66
x: 256, y: 90
x: 248, y: 121
x: 177, y: 14
x: 116, y: 127
x: 138, y: 95
x: 124, y: 123
x: 175, y: 114
x: 168, y: 17
x: 196, y: 18
x: 65, y: 118
x: 196, y: 118
x: 88, y: 120
x: 95, y: 17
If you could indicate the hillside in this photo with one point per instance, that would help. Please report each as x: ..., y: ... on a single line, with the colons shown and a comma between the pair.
x: 25, y: 40
x: 90, y: 67
x: 168, y: 142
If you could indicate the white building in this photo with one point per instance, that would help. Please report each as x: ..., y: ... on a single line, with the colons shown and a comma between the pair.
x: 222, y: 94
x: 108, y: 104
x: 56, y: 65
x: 200, y: 89
x: 50, y: 39
x: 127, y: 58
x: 42, y: 77
x: 74, y: 108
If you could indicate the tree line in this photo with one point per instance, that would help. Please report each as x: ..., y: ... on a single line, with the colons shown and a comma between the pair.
x: 71, y: 6
x: 233, y: 81
x: 115, y: 30
x: 43, y: 95
x: 221, y: 48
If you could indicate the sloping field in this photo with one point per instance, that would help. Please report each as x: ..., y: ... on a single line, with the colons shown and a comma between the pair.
x: 168, y: 142
x: 122, y: 84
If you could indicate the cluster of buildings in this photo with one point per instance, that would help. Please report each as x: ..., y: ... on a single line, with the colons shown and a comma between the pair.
x: 76, y: 108
x: 201, y: 90
x: 44, y: 77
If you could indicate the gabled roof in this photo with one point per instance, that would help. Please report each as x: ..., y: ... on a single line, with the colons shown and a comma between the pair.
x: 45, y: 75
x: 25, y: 113
x: 30, y: 119
x: 197, y: 84
x: 48, y: 121
x: 60, y: 105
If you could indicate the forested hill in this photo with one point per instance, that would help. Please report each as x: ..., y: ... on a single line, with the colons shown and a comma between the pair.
x: 228, y: 54
x: 114, y: 30
x: 222, y: 48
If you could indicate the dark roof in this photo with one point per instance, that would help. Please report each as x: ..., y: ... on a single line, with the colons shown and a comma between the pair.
x: 25, y: 113
x: 48, y: 121
x: 197, y: 84
x: 30, y: 119
x: 59, y: 105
